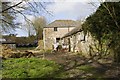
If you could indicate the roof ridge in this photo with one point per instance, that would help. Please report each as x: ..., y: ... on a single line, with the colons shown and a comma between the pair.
x: 60, y: 22
x: 63, y: 20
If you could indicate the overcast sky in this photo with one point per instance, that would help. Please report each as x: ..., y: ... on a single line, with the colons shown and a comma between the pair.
x: 70, y: 10
x: 64, y: 9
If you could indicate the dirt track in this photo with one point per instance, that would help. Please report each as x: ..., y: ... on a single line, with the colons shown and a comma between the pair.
x: 71, y: 62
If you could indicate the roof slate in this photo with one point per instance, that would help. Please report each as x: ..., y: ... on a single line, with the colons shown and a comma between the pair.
x: 74, y: 31
x: 62, y: 23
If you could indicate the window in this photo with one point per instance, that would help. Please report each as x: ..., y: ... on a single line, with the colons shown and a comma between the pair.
x: 84, y: 38
x: 57, y: 39
x: 55, y: 28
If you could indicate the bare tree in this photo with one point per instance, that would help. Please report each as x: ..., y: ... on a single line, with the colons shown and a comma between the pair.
x: 39, y: 24
x: 23, y: 7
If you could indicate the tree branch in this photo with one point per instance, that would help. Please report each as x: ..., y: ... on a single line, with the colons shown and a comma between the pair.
x: 6, y: 21
x: 110, y: 13
x: 11, y: 7
x: 45, y: 9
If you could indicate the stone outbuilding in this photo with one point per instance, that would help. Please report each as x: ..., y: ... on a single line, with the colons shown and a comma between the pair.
x: 54, y: 31
x: 79, y: 42
x: 9, y: 44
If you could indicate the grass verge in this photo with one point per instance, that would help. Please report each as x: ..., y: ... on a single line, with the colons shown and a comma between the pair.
x: 28, y: 68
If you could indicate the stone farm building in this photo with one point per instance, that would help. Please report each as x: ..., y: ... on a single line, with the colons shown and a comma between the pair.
x: 79, y: 42
x: 54, y: 31
x: 68, y: 33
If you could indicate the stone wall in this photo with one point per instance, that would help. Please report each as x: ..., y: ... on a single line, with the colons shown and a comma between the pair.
x: 10, y: 46
x: 49, y: 35
x: 78, y: 44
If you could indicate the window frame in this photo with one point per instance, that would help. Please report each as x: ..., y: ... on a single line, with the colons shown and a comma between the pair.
x: 55, y: 28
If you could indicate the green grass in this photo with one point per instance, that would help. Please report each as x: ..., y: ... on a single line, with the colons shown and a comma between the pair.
x: 28, y: 68
x: 0, y: 74
x: 92, y: 70
x: 86, y: 68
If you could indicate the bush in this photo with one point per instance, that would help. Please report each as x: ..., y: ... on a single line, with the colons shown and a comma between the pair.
x: 28, y: 68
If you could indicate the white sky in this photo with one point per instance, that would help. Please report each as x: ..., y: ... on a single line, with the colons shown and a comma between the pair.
x: 71, y: 10
x: 63, y: 9
x: 63, y: 0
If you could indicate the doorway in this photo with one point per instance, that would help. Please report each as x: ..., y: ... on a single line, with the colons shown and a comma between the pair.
x: 57, y: 40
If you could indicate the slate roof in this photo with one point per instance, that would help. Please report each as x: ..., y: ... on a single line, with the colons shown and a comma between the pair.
x: 3, y: 41
x: 7, y: 42
x: 74, y: 31
x: 62, y: 23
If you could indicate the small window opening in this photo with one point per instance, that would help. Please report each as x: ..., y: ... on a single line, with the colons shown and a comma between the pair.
x: 55, y: 28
